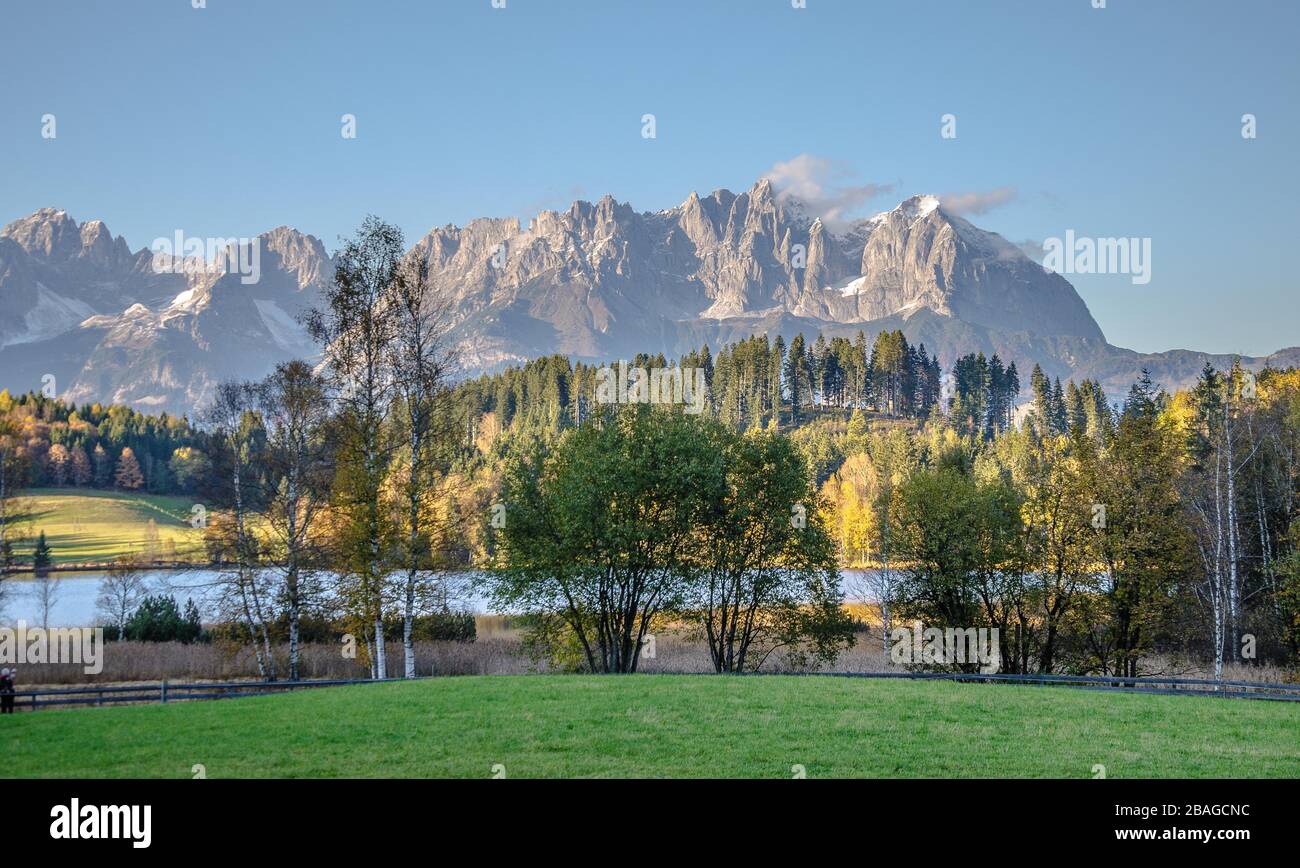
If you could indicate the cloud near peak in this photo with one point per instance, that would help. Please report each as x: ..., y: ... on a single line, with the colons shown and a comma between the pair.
x: 822, y: 186
x: 976, y: 201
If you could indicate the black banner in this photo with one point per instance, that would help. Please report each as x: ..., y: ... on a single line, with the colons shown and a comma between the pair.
x: 330, y: 817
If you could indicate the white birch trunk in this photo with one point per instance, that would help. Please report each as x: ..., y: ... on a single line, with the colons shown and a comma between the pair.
x: 1234, y: 586
x: 408, y: 623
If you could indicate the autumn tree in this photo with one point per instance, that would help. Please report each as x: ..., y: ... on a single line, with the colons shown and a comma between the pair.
x: 421, y: 362
x: 295, y: 485
x: 128, y: 475
x: 355, y: 329
x: 238, y: 436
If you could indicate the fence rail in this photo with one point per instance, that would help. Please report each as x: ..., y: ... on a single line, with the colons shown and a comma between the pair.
x: 1114, y: 683
x: 164, y: 692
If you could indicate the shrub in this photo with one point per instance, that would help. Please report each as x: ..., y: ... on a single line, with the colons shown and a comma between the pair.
x: 159, y: 619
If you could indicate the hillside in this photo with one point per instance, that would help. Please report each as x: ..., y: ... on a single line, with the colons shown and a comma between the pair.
x: 86, y: 526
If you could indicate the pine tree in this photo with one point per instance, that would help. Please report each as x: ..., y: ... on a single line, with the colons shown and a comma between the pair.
x: 1100, y: 424
x: 1142, y: 394
x: 996, y: 412
x: 890, y: 371
x: 706, y: 362
x: 1076, y: 408
x: 1060, y: 422
x: 776, y: 360
x: 1042, y: 388
x: 798, y: 377
x: 861, y: 378
x: 1012, y: 383
x: 820, y: 360
x: 41, y: 556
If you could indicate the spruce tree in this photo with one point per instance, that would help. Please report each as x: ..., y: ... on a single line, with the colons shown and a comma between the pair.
x: 41, y: 556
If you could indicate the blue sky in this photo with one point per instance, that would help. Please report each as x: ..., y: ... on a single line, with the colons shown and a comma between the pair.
x: 1123, y: 121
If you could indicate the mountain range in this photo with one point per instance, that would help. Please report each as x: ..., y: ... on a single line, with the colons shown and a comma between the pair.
x: 596, y: 282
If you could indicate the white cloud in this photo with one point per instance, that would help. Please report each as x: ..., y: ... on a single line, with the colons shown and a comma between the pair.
x: 1033, y: 249
x: 976, y: 201
x: 819, y: 184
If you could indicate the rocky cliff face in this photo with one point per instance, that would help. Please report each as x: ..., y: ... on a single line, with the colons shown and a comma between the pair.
x: 77, y: 304
x: 597, y: 281
x: 601, y: 280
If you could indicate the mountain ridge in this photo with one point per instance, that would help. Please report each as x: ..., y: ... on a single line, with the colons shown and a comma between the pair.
x: 597, y: 281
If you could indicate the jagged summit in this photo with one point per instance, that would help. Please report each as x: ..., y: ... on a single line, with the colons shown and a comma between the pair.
x: 739, y: 254
x: 143, y: 328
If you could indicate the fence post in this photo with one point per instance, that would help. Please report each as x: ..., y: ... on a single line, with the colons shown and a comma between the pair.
x: 163, y: 691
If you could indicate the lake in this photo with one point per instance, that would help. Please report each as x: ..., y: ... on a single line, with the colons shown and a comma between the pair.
x: 74, y: 604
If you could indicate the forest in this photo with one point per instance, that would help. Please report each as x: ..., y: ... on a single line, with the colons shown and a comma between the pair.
x: 373, y: 486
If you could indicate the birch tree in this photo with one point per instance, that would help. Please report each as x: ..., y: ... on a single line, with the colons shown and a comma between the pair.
x: 46, y: 591
x: 1222, y: 446
x: 354, y: 329
x: 120, y: 594
x: 237, y: 431
x: 420, y: 362
x: 296, y: 484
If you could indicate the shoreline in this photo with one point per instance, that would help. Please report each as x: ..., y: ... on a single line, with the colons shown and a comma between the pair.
x: 110, y: 565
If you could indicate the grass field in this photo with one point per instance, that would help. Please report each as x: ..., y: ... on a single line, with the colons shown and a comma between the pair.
x: 665, y: 726
x: 102, y: 526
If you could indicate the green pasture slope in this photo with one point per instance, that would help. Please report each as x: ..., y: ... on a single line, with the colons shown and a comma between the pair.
x: 84, y: 526
x: 665, y: 726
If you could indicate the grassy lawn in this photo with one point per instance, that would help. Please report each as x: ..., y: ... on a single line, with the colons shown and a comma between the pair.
x: 665, y: 726
x: 102, y: 526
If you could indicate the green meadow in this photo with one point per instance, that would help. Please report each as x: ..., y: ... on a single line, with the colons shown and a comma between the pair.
x: 548, y: 726
x: 103, y: 526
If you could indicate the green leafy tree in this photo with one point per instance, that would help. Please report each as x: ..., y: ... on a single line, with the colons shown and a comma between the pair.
x: 764, y: 571
x: 597, y: 534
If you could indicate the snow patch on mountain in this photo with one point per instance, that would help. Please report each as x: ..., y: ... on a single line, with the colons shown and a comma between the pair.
x: 285, y: 331
x: 187, y: 300
x: 53, y: 315
x: 852, y: 287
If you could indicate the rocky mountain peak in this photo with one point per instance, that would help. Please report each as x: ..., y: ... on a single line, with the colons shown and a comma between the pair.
x: 48, y: 233
x: 298, y: 253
